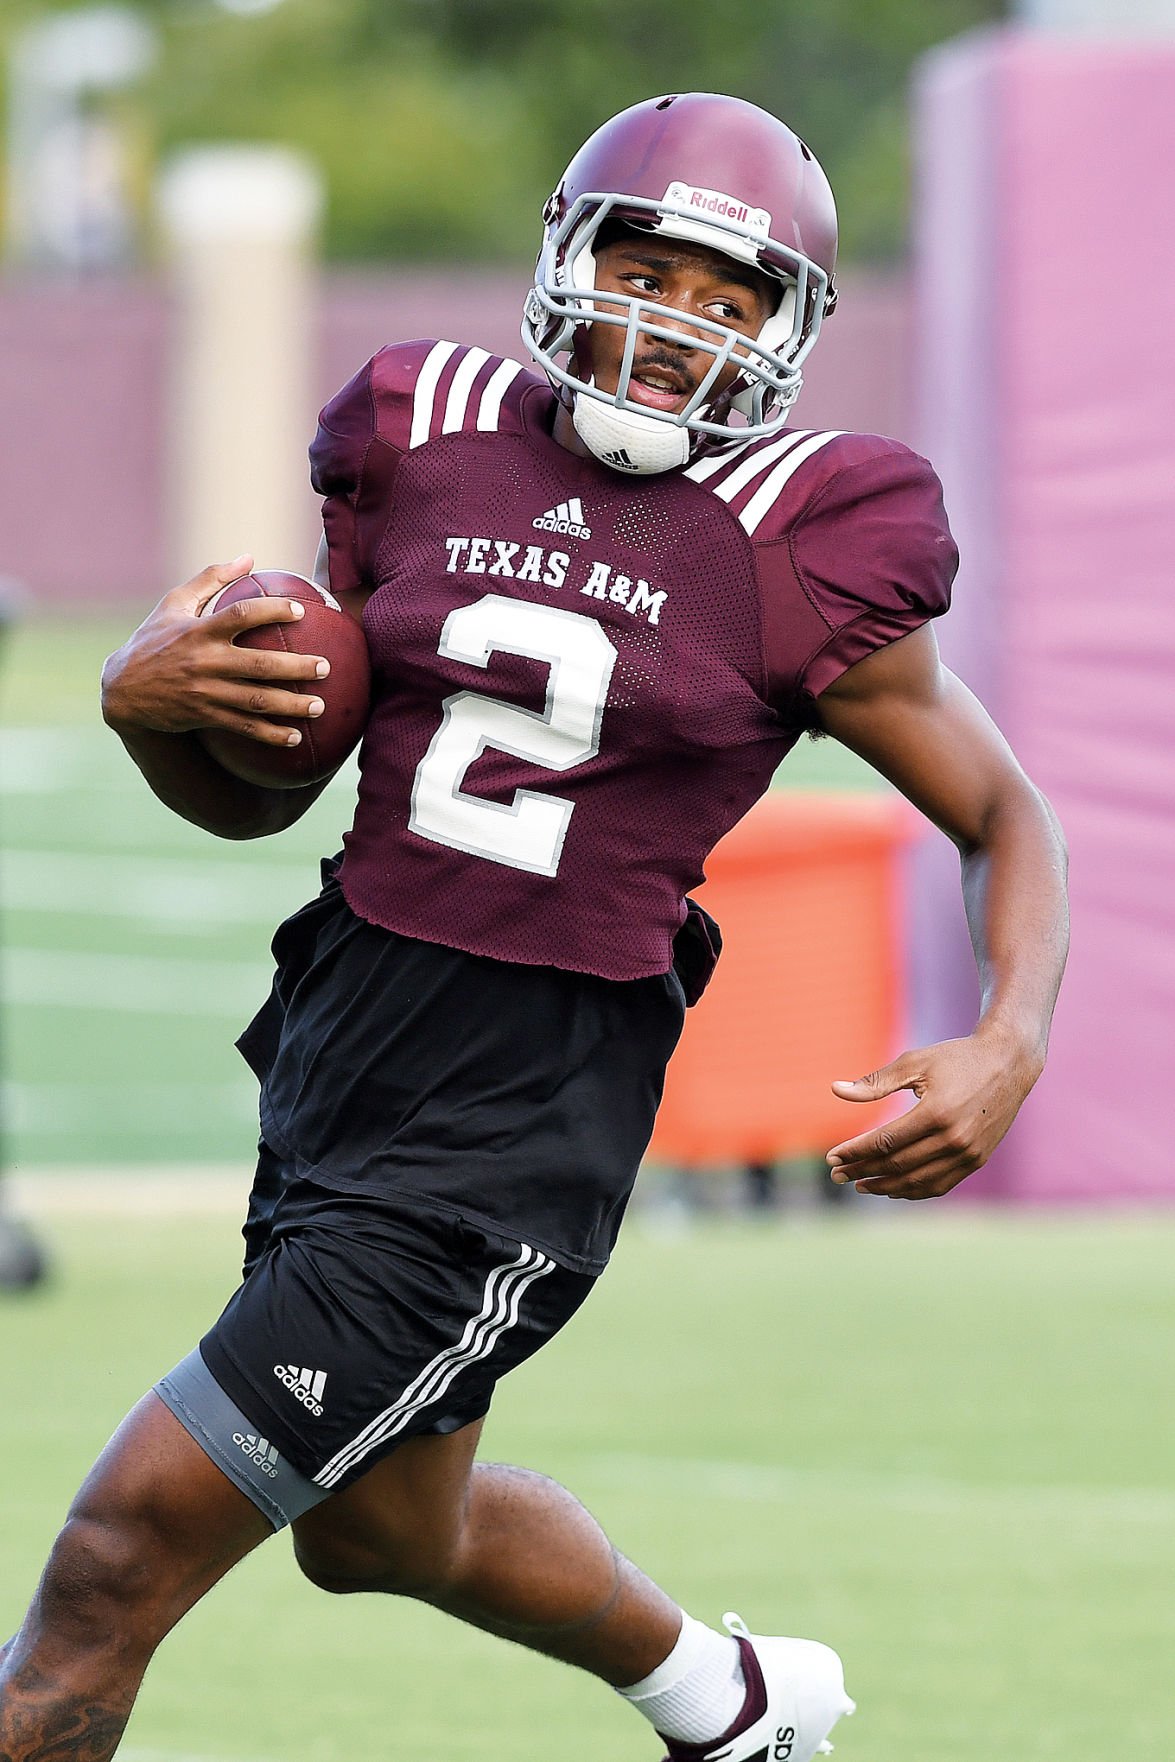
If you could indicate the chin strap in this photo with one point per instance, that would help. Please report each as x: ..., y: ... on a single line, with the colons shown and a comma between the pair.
x: 627, y: 440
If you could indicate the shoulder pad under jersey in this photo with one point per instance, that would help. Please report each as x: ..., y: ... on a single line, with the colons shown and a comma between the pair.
x: 423, y: 390
x: 770, y: 484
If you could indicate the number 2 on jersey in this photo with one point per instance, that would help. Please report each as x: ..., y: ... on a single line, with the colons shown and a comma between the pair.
x: 528, y: 832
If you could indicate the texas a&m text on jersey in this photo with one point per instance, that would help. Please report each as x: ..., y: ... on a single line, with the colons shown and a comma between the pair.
x: 586, y: 705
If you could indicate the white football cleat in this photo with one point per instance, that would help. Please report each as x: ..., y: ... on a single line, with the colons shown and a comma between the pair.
x: 795, y: 1695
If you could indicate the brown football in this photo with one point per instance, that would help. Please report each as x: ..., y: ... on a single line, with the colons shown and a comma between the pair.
x: 324, y: 629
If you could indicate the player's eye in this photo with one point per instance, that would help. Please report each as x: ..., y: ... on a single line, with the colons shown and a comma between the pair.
x: 644, y: 284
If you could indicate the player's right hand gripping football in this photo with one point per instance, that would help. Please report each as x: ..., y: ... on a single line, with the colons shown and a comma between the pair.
x: 180, y: 671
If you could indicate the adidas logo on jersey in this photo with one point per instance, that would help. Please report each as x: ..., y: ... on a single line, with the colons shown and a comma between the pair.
x: 305, y: 1386
x: 620, y: 459
x: 261, y: 1453
x: 567, y: 517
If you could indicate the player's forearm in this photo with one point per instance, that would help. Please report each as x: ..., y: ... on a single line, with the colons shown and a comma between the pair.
x: 187, y: 780
x: 1017, y: 911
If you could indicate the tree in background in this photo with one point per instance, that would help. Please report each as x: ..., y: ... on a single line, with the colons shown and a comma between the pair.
x: 439, y: 122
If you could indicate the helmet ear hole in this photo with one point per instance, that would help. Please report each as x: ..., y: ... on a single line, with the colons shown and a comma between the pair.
x: 779, y: 329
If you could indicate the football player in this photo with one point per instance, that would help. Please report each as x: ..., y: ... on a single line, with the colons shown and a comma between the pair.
x: 602, y: 604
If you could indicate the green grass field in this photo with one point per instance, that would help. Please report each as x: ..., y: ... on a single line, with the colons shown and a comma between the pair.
x: 944, y: 1445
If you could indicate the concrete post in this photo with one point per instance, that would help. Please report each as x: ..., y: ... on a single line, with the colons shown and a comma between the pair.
x: 239, y: 227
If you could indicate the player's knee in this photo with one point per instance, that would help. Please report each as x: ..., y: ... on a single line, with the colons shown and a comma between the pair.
x: 418, y: 1565
x: 103, y: 1584
x: 339, y: 1578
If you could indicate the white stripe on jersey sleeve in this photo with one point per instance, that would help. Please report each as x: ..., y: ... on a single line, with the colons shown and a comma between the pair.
x: 467, y: 372
x: 712, y: 462
x: 757, y: 462
x: 501, y: 379
x: 766, y: 495
x: 426, y: 390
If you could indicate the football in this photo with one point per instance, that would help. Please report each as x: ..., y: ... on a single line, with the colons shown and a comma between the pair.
x: 324, y: 629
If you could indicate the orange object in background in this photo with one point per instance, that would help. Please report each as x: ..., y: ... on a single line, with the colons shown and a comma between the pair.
x: 807, y: 890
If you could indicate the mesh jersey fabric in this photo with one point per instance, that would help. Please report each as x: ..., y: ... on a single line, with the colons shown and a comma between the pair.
x: 583, y: 680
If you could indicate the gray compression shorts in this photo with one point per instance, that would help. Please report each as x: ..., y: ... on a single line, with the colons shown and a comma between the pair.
x: 235, y: 1444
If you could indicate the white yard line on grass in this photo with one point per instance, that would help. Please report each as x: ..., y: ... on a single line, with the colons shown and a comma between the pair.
x: 75, y: 1109
x: 167, y: 1190
x: 919, y: 1494
x: 133, y: 982
x: 54, y: 760
x: 172, y: 892
x: 45, y: 761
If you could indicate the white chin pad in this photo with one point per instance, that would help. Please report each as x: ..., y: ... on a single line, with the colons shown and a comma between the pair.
x: 627, y: 440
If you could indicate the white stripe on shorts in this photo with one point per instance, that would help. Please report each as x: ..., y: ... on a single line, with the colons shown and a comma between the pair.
x: 503, y: 1294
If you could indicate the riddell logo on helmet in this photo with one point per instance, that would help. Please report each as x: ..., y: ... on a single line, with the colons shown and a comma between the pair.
x: 716, y: 202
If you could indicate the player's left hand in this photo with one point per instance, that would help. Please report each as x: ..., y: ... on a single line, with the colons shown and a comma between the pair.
x: 968, y: 1093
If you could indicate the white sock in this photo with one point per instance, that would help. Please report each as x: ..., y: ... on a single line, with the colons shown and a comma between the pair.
x: 699, y: 1690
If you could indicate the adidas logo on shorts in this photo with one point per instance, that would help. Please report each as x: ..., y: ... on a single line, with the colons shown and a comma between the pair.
x: 567, y: 517
x: 261, y: 1453
x: 305, y: 1386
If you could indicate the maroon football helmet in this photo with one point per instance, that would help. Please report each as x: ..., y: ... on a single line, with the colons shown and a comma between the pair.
x: 716, y: 171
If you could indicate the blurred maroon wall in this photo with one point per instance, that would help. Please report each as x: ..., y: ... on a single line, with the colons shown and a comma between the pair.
x: 83, y: 396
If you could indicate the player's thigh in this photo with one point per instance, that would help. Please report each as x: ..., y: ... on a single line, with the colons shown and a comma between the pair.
x: 155, y: 1523
x: 400, y: 1522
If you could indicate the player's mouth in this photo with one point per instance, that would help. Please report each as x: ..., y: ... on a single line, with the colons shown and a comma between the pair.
x: 659, y: 389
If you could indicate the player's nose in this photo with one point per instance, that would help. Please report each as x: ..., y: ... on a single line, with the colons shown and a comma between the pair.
x: 686, y: 333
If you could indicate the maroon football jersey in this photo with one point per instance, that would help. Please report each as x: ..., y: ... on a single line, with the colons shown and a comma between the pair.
x: 582, y: 679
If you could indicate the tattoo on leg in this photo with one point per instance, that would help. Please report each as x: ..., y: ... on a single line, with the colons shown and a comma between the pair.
x: 38, y: 1724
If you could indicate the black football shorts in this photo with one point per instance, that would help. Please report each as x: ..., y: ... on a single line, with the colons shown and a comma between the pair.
x: 522, y: 1097
x: 362, y: 1321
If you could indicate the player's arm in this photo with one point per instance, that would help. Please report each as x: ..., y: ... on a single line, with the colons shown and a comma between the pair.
x: 918, y: 725
x: 179, y: 672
